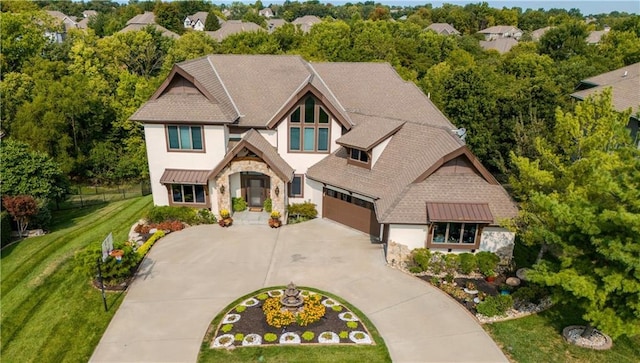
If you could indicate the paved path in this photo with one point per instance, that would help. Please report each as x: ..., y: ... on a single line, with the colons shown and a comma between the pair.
x: 190, y: 276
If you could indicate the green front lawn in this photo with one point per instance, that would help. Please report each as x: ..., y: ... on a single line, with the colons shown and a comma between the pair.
x: 538, y: 338
x: 49, y: 313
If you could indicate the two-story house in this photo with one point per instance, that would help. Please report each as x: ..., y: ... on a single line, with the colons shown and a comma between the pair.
x: 368, y: 148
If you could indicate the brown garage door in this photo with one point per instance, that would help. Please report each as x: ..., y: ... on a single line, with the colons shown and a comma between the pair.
x: 350, y: 211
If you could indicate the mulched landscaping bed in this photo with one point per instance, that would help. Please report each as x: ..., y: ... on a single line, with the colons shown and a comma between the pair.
x: 252, y: 321
x: 489, y: 288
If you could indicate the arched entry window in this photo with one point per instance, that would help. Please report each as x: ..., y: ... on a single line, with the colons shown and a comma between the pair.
x: 309, y: 128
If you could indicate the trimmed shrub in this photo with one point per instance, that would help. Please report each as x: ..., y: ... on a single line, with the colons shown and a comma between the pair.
x: 495, y: 305
x: 421, y: 257
x: 238, y: 337
x: 468, y: 263
x: 352, y: 324
x: 343, y: 334
x: 308, y: 336
x: 158, y: 214
x: 451, y: 262
x: 437, y: 264
x: 239, y: 204
x: 531, y: 293
x: 113, y: 271
x: 299, y: 212
x: 142, y: 250
x: 336, y: 308
x: 240, y: 308
x: 487, y: 262
x: 206, y: 217
x: 262, y: 296
x: 227, y: 328
x: 267, y: 205
x: 270, y: 337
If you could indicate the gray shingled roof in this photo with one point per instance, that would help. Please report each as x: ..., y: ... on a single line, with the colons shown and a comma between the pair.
x: 624, y: 83
x: 148, y: 17
x: 137, y: 27
x: 233, y: 27
x: 260, y: 146
x: 502, y: 45
x: 376, y: 89
x: 443, y: 28
x: 500, y: 29
x: 369, y: 131
x: 410, y: 152
x: 181, y: 108
x: 306, y: 22
x: 457, y: 188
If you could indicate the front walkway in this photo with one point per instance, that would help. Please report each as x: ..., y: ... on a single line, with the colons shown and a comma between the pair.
x: 190, y: 276
x: 248, y: 217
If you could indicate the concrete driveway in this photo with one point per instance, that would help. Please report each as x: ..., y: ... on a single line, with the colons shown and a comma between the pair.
x: 190, y: 276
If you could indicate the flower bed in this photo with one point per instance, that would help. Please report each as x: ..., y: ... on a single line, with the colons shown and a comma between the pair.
x: 248, y: 324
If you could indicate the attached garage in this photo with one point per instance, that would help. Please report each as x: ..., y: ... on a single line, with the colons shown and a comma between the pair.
x: 351, y: 211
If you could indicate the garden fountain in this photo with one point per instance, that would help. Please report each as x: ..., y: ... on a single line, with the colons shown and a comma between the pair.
x: 291, y: 298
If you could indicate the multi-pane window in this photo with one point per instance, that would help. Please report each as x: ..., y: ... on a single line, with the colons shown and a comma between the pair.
x: 185, y: 137
x: 359, y: 155
x: 451, y: 232
x: 296, y: 187
x: 186, y: 193
x: 309, y: 127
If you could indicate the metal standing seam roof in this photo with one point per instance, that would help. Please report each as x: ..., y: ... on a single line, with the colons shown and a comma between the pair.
x: 185, y: 176
x: 459, y: 212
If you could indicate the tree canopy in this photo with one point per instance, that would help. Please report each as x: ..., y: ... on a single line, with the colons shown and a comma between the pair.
x: 581, y: 200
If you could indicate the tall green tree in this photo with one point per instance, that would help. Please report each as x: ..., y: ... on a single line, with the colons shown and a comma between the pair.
x: 581, y: 201
x: 28, y: 172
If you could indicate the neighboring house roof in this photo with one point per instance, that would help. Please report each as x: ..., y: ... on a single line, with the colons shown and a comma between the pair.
x: 148, y: 17
x: 501, y: 29
x: 273, y: 24
x: 538, y: 33
x: 502, y: 45
x: 443, y: 28
x: 624, y: 83
x: 266, y: 12
x: 200, y: 15
x: 595, y: 36
x: 233, y: 27
x: 64, y: 19
x: 140, y: 21
x: 258, y: 145
x: 87, y: 15
x: 306, y: 22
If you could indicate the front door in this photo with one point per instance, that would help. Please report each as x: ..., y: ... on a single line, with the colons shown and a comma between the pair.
x: 255, y: 192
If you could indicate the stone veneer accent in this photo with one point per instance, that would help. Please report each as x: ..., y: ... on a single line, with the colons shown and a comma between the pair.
x: 257, y: 165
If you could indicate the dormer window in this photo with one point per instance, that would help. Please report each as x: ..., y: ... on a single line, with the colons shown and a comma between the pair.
x: 359, y: 158
x: 309, y: 128
x: 359, y: 155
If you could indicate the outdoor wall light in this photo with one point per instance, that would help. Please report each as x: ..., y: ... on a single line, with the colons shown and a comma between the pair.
x: 277, y: 191
x: 221, y: 189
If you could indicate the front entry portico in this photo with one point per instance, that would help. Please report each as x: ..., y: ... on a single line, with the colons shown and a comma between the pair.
x: 255, y: 188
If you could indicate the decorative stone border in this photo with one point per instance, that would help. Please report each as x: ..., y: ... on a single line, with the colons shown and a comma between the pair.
x: 598, y: 340
x: 275, y: 293
x: 335, y: 339
x: 252, y: 339
x: 351, y: 317
x: 217, y: 342
x: 231, y: 318
x: 289, y: 338
x: 330, y: 303
x: 365, y: 340
x: 250, y: 302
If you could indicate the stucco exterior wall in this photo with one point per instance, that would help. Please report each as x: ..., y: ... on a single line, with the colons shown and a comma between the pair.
x: 499, y: 241
x: 227, y: 178
x: 410, y: 235
x: 271, y: 136
x: 315, y: 195
x: 160, y: 158
x: 377, y: 151
x: 493, y: 239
